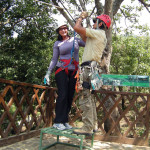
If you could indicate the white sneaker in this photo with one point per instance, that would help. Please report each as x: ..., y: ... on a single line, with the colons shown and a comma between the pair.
x: 59, y: 126
x: 67, y: 126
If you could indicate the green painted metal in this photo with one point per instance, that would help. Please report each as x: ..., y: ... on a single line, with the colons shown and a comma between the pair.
x: 125, y: 80
x: 67, y: 133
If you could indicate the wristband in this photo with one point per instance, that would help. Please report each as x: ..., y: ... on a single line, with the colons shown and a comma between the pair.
x: 48, y: 72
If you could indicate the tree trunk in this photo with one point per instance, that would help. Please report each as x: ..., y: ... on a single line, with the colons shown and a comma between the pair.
x: 106, y: 64
x: 105, y: 61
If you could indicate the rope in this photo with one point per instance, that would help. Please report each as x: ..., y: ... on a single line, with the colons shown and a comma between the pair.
x: 72, y: 51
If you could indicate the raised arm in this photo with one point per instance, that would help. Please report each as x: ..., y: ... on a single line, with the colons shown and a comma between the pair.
x: 79, y: 28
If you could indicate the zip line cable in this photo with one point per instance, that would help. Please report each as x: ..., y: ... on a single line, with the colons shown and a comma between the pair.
x: 58, y: 7
x: 67, y: 11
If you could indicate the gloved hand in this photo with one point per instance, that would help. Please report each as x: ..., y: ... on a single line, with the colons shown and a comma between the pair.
x: 47, y: 78
x: 83, y: 15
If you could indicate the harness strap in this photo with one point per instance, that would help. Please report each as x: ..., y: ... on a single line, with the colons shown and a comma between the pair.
x: 68, y: 62
x: 86, y: 63
x: 65, y: 67
x: 76, y: 63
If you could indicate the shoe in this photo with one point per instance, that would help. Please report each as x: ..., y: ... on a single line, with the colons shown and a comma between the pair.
x: 82, y: 132
x: 59, y: 126
x: 67, y: 126
x: 96, y: 130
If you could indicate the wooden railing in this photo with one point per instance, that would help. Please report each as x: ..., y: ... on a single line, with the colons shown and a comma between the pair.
x: 26, y: 108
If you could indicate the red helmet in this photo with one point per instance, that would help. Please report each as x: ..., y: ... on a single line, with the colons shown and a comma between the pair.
x: 106, y: 19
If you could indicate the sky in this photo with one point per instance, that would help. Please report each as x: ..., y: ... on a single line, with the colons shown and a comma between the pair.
x: 144, y: 16
x: 144, y: 12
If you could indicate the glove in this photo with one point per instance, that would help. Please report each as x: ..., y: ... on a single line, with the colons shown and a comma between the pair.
x: 47, y: 78
x: 83, y: 15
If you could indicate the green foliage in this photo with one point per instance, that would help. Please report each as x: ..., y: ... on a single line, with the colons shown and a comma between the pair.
x: 26, y: 57
x: 131, y: 55
x: 129, y: 19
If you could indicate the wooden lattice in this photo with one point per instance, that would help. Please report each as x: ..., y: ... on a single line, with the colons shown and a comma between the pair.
x: 26, y: 108
x: 127, y: 125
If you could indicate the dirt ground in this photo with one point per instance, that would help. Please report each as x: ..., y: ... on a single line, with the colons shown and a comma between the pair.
x: 33, y: 144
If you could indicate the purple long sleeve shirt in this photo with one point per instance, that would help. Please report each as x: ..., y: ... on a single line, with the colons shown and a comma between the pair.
x: 62, y: 50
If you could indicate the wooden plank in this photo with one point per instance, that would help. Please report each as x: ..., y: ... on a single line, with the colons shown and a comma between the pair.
x: 147, y: 119
x: 24, y: 84
x: 121, y: 93
x: 18, y: 138
x: 122, y: 140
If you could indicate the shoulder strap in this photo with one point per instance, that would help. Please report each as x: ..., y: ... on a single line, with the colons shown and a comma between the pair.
x: 72, y: 51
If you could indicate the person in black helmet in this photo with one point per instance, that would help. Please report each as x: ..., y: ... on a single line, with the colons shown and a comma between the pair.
x: 95, y: 39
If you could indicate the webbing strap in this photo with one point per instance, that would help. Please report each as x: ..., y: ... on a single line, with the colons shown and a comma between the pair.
x: 69, y: 61
x: 66, y: 64
x: 72, y: 51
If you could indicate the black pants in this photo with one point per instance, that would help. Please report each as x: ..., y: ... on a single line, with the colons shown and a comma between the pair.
x: 66, y: 88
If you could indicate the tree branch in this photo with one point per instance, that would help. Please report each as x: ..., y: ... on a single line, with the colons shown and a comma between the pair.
x: 92, y: 11
x: 108, y: 50
x: 5, y: 9
x: 116, y: 6
x: 145, y: 5
x: 64, y: 14
x: 99, y: 7
x: 82, y: 5
x: 12, y: 24
x: 67, y: 10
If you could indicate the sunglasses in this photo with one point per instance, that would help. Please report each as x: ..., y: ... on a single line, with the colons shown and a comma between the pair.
x: 64, y: 28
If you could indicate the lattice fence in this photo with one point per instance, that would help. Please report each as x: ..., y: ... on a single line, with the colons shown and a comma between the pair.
x: 26, y: 108
x: 129, y: 124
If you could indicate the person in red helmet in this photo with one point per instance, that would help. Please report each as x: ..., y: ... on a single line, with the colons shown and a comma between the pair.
x: 96, y: 41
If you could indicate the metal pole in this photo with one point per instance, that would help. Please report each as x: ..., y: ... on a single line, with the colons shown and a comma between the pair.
x: 49, y: 4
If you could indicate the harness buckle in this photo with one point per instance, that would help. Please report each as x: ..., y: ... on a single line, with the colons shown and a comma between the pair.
x: 62, y: 68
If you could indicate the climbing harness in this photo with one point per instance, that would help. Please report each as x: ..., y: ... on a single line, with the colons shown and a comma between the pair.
x: 68, y: 62
x: 78, y: 85
x: 96, y: 80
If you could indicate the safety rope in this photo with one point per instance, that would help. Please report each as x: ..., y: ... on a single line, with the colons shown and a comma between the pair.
x: 72, y: 51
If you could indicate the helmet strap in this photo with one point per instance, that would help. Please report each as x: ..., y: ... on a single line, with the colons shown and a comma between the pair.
x: 105, y: 27
x: 97, y: 27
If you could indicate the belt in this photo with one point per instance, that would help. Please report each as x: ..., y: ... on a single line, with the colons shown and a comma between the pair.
x: 87, y: 63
